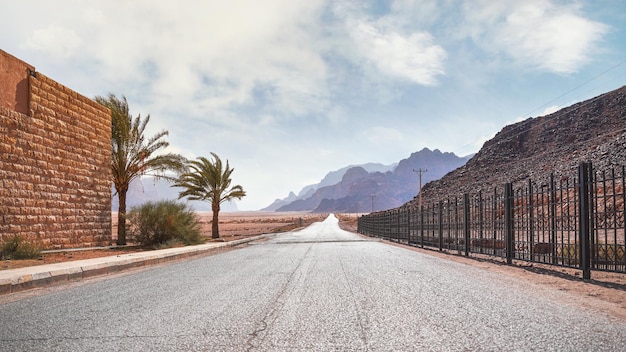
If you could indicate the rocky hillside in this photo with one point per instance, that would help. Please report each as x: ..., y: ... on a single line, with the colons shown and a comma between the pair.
x: 593, y: 130
x: 389, y: 189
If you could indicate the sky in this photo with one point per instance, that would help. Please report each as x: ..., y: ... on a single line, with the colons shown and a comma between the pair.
x: 289, y: 90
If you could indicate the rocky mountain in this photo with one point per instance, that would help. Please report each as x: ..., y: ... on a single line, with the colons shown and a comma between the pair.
x: 282, y: 202
x: 330, y: 179
x: 361, y: 191
x: 148, y: 189
x: 593, y: 130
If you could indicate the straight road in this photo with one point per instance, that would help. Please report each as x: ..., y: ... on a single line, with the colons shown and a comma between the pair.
x: 320, y: 289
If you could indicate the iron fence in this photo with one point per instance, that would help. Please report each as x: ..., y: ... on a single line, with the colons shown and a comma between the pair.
x: 573, y: 222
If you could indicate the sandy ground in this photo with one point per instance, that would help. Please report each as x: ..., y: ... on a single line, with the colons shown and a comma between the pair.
x: 233, y: 226
x: 605, y: 292
x: 237, y: 224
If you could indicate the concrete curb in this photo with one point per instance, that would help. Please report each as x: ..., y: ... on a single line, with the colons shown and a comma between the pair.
x: 16, y: 280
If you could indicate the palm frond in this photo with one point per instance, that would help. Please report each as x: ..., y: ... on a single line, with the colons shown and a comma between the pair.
x: 208, y: 180
x: 132, y: 155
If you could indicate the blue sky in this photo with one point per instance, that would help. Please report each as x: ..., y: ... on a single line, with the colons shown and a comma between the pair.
x: 289, y: 90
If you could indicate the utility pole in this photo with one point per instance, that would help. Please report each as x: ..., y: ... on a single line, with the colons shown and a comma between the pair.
x: 373, y: 196
x: 420, y: 171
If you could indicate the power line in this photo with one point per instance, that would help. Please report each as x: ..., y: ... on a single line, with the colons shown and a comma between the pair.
x: 579, y: 86
x: 565, y: 110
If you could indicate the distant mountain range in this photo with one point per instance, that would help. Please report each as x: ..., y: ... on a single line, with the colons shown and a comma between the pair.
x: 363, y: 188
x: 354, y: 188
x: 330, y: 179
x: 148, y: 189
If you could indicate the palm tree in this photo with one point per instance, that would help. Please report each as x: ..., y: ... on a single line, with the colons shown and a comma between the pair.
x: 209, y: 181
x: 132, y: 156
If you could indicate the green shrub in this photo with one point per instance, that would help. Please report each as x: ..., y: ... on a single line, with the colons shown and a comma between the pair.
x: 164, y: 224
x: 18, y: 248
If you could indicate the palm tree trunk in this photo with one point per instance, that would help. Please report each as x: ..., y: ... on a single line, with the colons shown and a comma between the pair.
x: 215, y: 229
x: 121, y: 218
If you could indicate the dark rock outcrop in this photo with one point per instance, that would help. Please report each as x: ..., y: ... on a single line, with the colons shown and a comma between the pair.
x: 593, y: 130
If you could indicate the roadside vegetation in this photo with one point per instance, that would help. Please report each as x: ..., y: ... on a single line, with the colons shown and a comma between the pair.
x: 164, y: 224
x: 132, y: 155
x: 209, y: 180
x: 17, y: 247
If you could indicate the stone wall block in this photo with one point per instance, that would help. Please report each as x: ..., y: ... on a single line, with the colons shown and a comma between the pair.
x: 51, y: 168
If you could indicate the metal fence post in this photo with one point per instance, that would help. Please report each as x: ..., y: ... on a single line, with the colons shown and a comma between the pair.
x: 552, y: 216
x: 408, y: 225
x: 387, y: 225
x: 398, y: 224
x: 531, y: 219
x: 508, y: 221
x: 584, y: 171
x: 440, y: 226
x: 421, y: 226
x: 494, y: 219
x: 481, y: 207
x: 466, y: 222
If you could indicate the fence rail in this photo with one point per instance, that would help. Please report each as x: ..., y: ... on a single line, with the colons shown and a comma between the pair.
x: 573, y: 222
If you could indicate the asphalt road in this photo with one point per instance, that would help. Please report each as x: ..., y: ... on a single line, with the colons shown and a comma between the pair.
x: 319, y: 289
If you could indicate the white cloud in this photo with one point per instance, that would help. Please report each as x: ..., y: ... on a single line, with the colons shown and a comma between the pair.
x: 390, y: 44
x: 538, y: 34
x: 412, y: 57
x: 54, y: 40
x: 208, y: 54
x: 288, y: 90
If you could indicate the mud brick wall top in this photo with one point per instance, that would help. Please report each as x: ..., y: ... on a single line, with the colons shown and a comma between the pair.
x: 54, y: 164
x: 14, y: 83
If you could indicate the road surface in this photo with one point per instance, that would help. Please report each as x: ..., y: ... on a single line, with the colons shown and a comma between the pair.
x: 320, y: 289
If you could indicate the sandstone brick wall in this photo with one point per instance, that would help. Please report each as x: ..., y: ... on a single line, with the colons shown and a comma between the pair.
x: 55, y: 169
